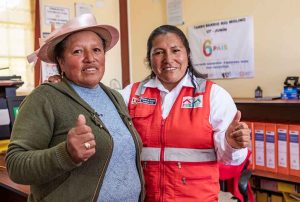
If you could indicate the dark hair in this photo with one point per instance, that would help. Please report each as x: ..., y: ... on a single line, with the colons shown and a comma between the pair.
x: 61, y: 47
x: 58, y: 53
x: 165, y: 29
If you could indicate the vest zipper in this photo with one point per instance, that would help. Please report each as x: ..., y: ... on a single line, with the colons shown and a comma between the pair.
x: 162, y: 166
x: 183, y: 180
x: 145, y: 164
x: 179, y: 165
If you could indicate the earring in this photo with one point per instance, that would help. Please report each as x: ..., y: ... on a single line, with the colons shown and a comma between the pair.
x: 62, y: 75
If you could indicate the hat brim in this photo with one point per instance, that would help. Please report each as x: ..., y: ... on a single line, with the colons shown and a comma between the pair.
x: 108, y: 33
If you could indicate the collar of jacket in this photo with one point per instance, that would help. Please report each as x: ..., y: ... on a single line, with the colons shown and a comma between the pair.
x: 65, y: 88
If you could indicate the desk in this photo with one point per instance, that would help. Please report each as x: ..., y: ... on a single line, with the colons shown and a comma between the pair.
x: 10, y: 83
x: 9, y: 190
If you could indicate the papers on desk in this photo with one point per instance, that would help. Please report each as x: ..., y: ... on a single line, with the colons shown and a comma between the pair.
x: 10, y: 83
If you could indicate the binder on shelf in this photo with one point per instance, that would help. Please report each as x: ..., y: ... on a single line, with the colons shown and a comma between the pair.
x: 259, y: 145
x: 283, y: 151
x: 271, y: 147
x: 294, y: 149
x: 251, y: 146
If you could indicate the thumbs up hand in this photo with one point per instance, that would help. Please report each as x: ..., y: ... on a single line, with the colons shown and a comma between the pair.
x: 81, y: 141
x: 238, y: 133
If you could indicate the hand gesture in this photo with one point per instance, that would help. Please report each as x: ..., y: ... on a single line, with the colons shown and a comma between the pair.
x: 238, y: 133
x: 81, y: 141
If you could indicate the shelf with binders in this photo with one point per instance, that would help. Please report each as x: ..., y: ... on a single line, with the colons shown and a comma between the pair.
x: 266, y: 116
x: 277, y: 176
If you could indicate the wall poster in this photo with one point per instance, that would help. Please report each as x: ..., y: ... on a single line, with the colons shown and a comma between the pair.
x: 223, y: 49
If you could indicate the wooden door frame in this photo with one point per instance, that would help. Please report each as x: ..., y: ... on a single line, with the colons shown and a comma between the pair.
x: 124, y: 42
x: 37, y: 35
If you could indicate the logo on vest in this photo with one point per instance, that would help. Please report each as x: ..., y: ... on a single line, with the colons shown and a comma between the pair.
x: 192, y: 102
x: 144, y: 100
x: 135, y: 100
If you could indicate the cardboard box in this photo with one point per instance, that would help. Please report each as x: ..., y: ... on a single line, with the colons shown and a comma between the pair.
x: 261, y: 196
x: 276, y: 198
x: 290, y: 197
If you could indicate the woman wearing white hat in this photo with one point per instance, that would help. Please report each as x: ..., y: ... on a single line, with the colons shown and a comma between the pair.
x: 59, y: 145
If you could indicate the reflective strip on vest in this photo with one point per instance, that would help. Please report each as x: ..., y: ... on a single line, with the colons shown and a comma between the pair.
x: 150, y: 154
x: 189, y: 155
x: 179, y: 154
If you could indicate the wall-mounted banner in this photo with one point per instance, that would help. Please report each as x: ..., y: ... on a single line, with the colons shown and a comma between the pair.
x: 223, y: 49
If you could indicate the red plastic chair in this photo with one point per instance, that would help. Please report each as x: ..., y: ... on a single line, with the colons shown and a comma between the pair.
x: 235, y: 179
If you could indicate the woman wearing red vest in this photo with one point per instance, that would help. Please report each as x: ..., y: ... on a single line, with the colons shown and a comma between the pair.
x: 187, y: 123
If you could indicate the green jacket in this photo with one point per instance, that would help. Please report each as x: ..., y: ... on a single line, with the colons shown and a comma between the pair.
x: 37, y: 154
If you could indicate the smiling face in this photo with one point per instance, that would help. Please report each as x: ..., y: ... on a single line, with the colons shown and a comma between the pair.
x: 83, y: 60
x: 169, y: 59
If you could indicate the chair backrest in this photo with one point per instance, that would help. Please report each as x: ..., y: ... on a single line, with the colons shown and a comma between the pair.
x: 236, y: 178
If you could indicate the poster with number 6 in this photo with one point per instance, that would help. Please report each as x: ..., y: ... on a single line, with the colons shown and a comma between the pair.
x: 223, y: 49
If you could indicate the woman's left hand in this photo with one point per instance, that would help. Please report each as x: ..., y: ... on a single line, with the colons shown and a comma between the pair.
x: 54, y: 79
x: 238, y: 133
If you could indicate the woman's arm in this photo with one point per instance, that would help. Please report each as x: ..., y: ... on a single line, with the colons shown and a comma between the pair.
x: 223, y: 111
x: 29, y: 159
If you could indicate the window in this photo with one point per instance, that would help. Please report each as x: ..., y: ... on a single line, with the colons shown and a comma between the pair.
x: 17, y: 40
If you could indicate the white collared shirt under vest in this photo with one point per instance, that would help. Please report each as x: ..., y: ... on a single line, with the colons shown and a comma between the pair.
x: 222, y: 112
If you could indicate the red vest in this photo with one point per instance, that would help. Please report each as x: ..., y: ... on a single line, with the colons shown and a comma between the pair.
x: 178, y: 155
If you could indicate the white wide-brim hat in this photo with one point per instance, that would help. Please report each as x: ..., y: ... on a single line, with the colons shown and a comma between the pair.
x: 85, y: 22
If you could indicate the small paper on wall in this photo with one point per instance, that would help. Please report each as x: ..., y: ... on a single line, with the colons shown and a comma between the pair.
x: 174, y: 12
x: 56, y: 15
x: 81, y: 8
